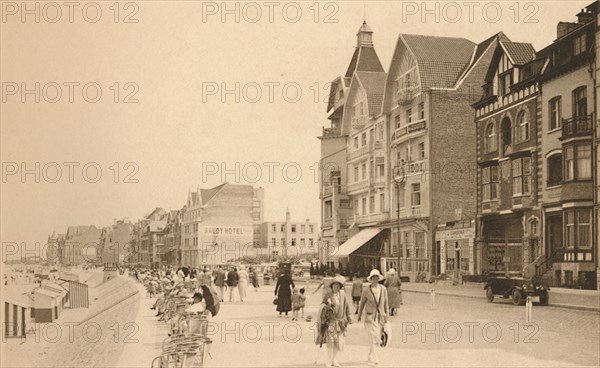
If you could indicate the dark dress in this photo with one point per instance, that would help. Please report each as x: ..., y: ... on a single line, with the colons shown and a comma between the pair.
x: 283, y: 290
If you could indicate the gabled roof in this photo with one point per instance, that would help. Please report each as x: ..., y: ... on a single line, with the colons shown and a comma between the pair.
x: 364, y: 59
x: 374, y: 85
x: 208, y: 194
x: 441, y: 60
x: 519, y: 53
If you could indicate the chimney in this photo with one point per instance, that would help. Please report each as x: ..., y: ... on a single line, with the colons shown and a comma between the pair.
x: 565, y: 27
x: 585, y: 16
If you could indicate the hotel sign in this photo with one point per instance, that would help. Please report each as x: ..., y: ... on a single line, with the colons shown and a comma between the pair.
x: 455, y: 234
x: 226, y: 230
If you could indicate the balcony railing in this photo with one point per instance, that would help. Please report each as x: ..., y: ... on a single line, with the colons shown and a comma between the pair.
x: 357, y: 152
x: 359, y: 122
x: 373, y: 217
x: 407, y: 94
x: 577, y: 126
x: 331, y: 132
x: 376, y: 145
x: 378, y: 181
x: 329, y: 189
x: 410, y: 211
x: 416, y: 127
x: 358, y: 185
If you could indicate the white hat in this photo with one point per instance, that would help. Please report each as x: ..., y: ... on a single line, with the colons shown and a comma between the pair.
x: 391, y: 271
x: 338, y: 280
x: 374, y: 272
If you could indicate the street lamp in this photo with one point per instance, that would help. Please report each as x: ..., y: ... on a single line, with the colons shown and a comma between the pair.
x: 399, y: 179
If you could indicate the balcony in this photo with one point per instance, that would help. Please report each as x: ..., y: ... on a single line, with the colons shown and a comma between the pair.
x: 331, y: 132
x: 372, y: 218
x: 357, y: 152
x: 577, y: 126
x: 328, y: 190
x: 376, y: 145
x: 359, y: 185
x: 407, y: 95
x: 409, y: 130
x: 378, y: 181
x: 411, y: 211
x: 359, y: 122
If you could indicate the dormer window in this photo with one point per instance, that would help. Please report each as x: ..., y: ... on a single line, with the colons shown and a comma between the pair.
x: 579, y: 45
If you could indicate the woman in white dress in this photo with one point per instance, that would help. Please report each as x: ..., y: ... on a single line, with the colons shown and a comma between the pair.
x: 243, y: 282
x: 374, y: 302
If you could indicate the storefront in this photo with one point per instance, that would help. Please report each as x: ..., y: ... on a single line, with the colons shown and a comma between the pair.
x: 456, y: 248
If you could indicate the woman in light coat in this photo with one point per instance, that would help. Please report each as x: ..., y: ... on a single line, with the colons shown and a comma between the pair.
x: 243, y: 282
x: 333, y: 322
x: 374, y: 303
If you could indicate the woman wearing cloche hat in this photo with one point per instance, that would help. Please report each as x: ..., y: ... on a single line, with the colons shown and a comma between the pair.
x: 374, y: 302
x: 333, y: 319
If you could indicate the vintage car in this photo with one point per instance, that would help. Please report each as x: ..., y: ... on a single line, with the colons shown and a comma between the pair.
x: 517, y: 289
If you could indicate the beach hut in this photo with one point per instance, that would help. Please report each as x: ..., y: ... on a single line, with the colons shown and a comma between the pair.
x: 46, y: 305
x: 16, y: 314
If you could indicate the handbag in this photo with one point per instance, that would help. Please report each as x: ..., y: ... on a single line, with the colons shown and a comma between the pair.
x: 275, y: 301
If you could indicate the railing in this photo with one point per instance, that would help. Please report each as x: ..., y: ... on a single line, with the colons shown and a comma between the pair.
x: 416, y: 127
x: 357, y: 152
x: 329, y: 189
x: 577, y: 126
x: 331, y: 132
x: 375, y: 145
x: 407, y: 94
x: 414, y: 265
x: 409, y: 212
x: 378, y: 181
x: 544, y: 266
x: 373, y: 217
x: 358, y: 185
x: 359, y: 122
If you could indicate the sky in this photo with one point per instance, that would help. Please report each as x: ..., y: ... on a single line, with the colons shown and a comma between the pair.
x: 140, y: 102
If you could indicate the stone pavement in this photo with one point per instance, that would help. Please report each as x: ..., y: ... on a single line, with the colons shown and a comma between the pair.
x: 250, y: 334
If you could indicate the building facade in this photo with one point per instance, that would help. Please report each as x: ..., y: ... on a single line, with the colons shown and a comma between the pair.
x: 288, y: 238
x: 115, y: 240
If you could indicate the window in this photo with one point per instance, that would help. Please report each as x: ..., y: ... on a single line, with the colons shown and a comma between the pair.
x: 578, y: 229
x: 522, y: 127
x: 275, y: 253
x: 408, y: 116
x: 521, y: 174
x: 580, y: 102
x: 283, y: 242
x: 416, y: 195
x: 356, y: 142
x: 311, y: 229
x: 371, y: 204
x: 328, y: 212
x: 578, y: 161
x: 364, y: 139
x: 302, y: 229
x: 256, y: 216
x: 504, y: 83
x: 273, y: 241
x: 397, y: 121
x: 356, y: 207
x: 293, y: 228
x: 555, y: 113
x: 380, y: 131
x: 380, y: 170
x: 364, y: 171
x: 382, y: 202
x: 421, y: 150
x: 356, y: 173
x: 422, y: 111
x: 283, y: 225
x: 555, y: 170
x: 579, y: 45
x: 274, y: 228
x: 490, y: 141
x: 371, y: 136
x: 302, y: 242
x: 311, y: 243
x: 490, y: 181
x: 293, y: 242
x: 506, y: 133
x: 364, y: 206
x: 420, y: 251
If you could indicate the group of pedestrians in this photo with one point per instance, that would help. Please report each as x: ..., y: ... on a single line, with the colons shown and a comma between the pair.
x: 375, y: 302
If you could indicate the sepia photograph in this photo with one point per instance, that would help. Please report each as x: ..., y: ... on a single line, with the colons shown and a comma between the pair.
x: 353, y: 183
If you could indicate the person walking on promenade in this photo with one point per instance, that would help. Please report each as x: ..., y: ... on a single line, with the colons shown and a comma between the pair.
x: 298, y: 302
x: 232, y: 282
x: 333, y: 319
x: 253, y: 278
x: 219, y: 281
x: 243, y: 282
x: 393, y: 284
x: 357, y: 290
x: 283, y: 291
x: 374, y: 302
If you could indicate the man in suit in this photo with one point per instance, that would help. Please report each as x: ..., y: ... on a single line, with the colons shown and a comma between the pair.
x: 219, y: 276
x: 232, y: 281
x: 374, y: 302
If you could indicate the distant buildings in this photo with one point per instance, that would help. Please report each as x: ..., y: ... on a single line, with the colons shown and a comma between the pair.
x: 288, y: 238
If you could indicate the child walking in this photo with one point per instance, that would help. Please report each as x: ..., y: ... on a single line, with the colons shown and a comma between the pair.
x: 298, y: 301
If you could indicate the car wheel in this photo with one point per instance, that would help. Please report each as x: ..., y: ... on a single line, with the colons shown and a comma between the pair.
x: 516, y: 296
x: 489, y: 295
x: 544, y: 297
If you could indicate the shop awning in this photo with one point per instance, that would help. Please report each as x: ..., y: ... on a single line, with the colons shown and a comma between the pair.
x: 355, y: 242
